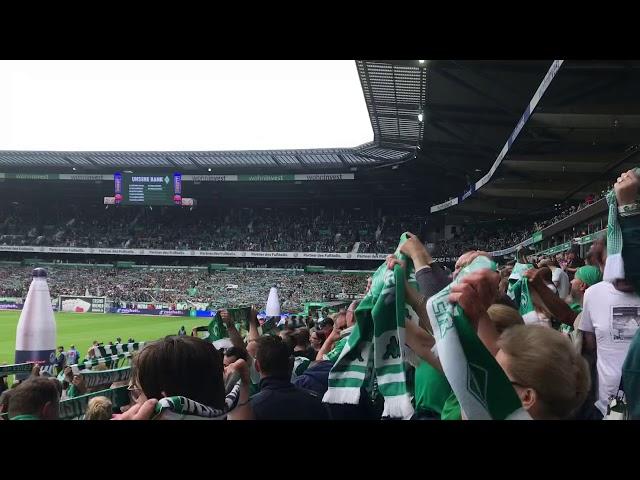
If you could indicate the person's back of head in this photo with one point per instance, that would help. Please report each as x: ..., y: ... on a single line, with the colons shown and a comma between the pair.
x: 58, y: 385
x: 4, y: 400
x: 99, y: 408
x: 273, y: 358
x: 503, y: 317
x: 550, y: 377
x: 181, y: 366
x: 37, y: 396
x: 301, y: 337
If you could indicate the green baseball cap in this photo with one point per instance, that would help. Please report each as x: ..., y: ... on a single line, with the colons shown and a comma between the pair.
x: 589, y: 274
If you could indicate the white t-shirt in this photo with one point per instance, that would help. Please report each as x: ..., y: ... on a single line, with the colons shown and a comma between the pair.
x: 614, y: 317
x: 561, y: 280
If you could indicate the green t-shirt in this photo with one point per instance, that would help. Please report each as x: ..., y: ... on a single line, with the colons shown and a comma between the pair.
x: 451, y: 409
x: 431, y: 388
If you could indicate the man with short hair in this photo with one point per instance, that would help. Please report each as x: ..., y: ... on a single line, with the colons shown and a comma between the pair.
x: 585, y: 277
x: 278, y: 398
x: 302, y: 346
x: 35, y: 399
x: 325, y: 325
x: 61, y: 360
x: 72, y: 356
x: 610, y: 317
x: 573, y: 261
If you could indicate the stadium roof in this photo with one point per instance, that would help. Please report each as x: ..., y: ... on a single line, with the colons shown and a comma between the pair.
x: 584, y: 131
x: 394, y: 96
x: 289, y: 160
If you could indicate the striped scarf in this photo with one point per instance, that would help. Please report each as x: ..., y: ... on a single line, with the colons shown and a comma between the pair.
x: 92, y: 379
x: 522, y: 298
x: 16, y: 368
x: 74, y: 408
x: 478, y: 382
x: 76, y: 369
x: 106, y: 350
x: 516, y: 275
x: 375, y: 346
x: 182, y: 408
x: 614, y: 267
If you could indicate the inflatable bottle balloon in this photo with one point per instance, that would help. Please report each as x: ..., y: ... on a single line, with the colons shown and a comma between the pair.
x: 36, y: 331
x: 273, y: 315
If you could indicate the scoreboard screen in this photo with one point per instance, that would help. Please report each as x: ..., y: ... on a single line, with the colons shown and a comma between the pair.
x: 148, y: 189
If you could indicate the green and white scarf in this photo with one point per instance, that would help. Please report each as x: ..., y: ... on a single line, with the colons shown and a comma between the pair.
x: 218, y: 332
x: 16, y: 368
x: 74, y: 408
x: 478, y: 382
x: 522, y: 298
x: 614, y: 267
x: 76, y: 369
x: 379, y: 335
x: 516, y: 275
x: 182, y: 408
x: 106, y: 350
x: 104, y: 377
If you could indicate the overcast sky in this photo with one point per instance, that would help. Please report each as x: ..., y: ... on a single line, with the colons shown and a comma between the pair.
x: 181, y: 105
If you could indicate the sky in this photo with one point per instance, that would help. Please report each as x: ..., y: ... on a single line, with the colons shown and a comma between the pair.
x: 181, y: 105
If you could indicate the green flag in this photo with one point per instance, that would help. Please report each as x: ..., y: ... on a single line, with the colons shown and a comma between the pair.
x: 218, y: 330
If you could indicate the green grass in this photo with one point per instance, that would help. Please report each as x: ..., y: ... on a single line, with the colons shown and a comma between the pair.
x: 81, y: 329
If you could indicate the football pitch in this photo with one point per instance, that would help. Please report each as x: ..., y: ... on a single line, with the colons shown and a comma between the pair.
x: 81, y: 329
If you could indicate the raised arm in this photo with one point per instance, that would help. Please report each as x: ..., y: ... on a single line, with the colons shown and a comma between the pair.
x: 234, y: 335
x: 626, y: 189
x: 558, y: 308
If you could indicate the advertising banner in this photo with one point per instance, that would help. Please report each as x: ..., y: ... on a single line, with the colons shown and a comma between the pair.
x: 81, y: 304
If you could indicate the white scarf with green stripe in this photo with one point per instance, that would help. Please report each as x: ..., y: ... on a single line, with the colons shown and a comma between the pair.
x: 478, y: 382
x: 375, y: 347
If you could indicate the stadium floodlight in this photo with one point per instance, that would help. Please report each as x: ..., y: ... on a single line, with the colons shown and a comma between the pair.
x: 209, y: 169
x: 74, y: 169
x: 420, y: 117
x: 421, y: 61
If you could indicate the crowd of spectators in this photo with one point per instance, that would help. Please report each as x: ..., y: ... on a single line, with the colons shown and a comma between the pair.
x: 244, y: 229
x: 560, y: 333
x: 169, y: 286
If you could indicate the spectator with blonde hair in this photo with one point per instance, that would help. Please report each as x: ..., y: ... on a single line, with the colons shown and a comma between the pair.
x: 550, y: 377
x: 504, y: 317
x: 99, y: 408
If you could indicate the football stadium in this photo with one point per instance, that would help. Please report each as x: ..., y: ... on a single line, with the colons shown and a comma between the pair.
x: 474, y: 256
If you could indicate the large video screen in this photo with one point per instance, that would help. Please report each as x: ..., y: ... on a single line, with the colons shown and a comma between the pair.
x: 148, y: 188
